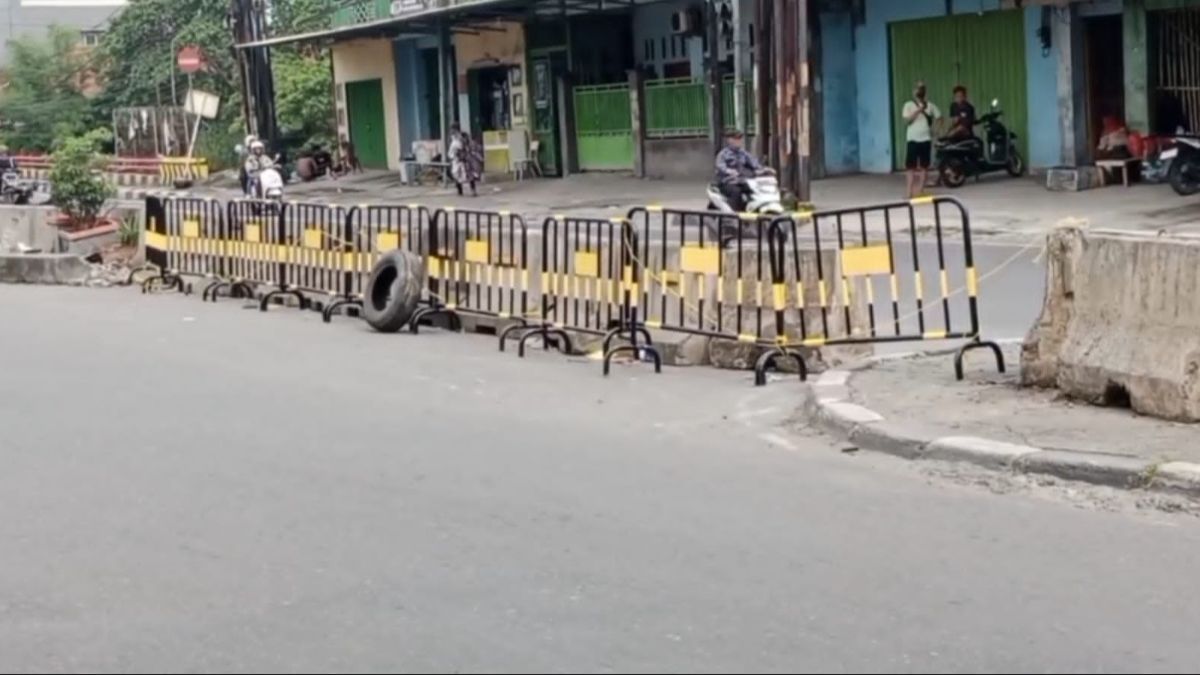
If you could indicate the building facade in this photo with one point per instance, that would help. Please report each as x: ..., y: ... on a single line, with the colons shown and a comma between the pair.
x: 626, y: 85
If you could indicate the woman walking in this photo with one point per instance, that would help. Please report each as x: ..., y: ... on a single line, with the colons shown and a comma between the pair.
x: 466, y: 162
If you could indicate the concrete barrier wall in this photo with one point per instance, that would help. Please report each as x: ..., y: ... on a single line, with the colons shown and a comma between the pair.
x: 1121, y: 322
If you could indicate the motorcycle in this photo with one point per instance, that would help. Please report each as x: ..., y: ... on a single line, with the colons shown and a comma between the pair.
x: 762, y: 198
x: 16, y: 190
x: 960, y: 159
x: 1184, y: 160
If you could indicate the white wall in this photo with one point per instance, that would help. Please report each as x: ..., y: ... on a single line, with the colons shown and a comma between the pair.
x: 359, y: 60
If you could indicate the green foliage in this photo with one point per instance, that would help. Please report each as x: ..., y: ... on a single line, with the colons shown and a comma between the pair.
x: 43, y: 100
x: 304, y: 96
x: 137, y: 55
x: 129, y: 231
x: 80, y: 190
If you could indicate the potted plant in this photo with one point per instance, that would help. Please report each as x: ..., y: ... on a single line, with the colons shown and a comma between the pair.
x: 77, y: 179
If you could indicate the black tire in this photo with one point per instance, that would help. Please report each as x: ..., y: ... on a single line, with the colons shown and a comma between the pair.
x: 1016, y: 164
x: 393, y: 291
x: 1185, y: 177
x: 953, y: 172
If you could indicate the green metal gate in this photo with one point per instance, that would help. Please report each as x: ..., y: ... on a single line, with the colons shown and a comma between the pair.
x: 983, y: 52
x: 604, y: 128
x: 364, y: 102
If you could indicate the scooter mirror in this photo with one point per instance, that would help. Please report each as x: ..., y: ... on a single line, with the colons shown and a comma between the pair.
x: 995, y: 103
x: 239, y: 149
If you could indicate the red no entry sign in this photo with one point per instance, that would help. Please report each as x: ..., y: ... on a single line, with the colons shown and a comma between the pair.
x: 191, y: 59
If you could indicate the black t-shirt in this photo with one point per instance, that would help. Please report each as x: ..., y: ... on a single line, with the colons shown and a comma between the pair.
x: 962, y: 114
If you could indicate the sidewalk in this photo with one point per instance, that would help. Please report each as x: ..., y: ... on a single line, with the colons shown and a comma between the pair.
x: 913, y: 407
x: 998, y: 205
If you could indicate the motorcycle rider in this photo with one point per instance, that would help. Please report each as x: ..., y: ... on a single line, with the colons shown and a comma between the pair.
x: 734, y: 166
x: 256, y: 162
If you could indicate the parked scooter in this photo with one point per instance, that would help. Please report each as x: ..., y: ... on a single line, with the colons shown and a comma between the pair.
x: 960, y: 159
x: 1184, y: 160
x: 16, y: 190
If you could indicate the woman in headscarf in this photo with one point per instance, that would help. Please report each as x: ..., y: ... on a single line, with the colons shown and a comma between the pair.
x: 466, y: 162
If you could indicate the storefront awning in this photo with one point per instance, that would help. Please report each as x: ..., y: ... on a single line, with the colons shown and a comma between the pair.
x: 426, y: 20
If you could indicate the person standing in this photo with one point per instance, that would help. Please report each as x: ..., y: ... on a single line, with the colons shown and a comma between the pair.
x: 466, y: 163
x: 919, y: 115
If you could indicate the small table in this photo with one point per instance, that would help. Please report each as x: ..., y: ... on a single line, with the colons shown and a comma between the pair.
x: 1110, y: 166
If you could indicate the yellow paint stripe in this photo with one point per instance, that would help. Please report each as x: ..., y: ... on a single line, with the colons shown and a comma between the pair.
x: 924, y: 199
x: 800, y: 294
x: 780, y: 296
x: 972, y: 282
x: 746, y: 337
x: 935, y: 335
x: 919, y: 285
x: 656, y: 323
x: 945, y: 281
x: 814, y: 342
x: 895, y: 289
x: 823, y: 290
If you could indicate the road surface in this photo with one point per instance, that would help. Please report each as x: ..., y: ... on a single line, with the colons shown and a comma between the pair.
x: 199, y: 487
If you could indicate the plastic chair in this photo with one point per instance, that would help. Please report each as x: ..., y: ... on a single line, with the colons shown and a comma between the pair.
x: 518, y: 152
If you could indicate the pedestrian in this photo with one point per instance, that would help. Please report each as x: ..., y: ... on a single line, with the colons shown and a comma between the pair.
x: 919, y: 115
x: 466, y: 162
x: 962, y: 116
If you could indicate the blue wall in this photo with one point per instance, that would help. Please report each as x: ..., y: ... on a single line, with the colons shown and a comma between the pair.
x: 871, y: 82
x: 1041, y: 73
x: 840, y: 93
x: 407, y: 101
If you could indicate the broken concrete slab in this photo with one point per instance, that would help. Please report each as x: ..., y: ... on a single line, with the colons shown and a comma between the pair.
x: 44, y: 268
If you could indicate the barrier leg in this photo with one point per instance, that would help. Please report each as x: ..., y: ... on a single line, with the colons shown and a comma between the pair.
x: 627, y: 334
x: 637, y: 350
x: 266, y: 301
x: 971, y: 346
x: 770, y: 361
x: 453, y: 322
x: 561, y: 338
x: 335, y: 306
x: 509, y: 330
x: 164, y: 280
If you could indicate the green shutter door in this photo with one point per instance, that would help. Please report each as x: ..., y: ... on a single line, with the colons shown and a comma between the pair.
x: 604, y: 128
x: 364, y: 105
x: 983, y: 52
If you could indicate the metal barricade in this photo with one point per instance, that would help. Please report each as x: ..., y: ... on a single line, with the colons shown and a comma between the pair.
x: 706, y: 273
x: 190, y: 241
x: 316, y: 243
x: 375, y: 230
x: 859, y: 276
x: 589, y: 284
x: 254, y: 247
x: 477, y: 264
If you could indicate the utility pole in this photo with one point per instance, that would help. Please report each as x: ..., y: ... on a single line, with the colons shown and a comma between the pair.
x: 739, y: 65
x: 716, y: 125
x: 792, y: 82
x: 762, y: 81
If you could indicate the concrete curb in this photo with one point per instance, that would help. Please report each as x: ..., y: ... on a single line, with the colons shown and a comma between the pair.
x: 828, y: 407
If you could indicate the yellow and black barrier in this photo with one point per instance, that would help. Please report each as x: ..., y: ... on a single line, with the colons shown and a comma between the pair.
x: 706, y: 273
x: 184, y: 237
x: 589, y: 283
x: 171, y: 169
x: 478, y: 263
x: 372, y: 231
x: 862, y: 276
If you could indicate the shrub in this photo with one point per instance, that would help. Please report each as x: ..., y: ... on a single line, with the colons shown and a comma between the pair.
x: 77, y: 179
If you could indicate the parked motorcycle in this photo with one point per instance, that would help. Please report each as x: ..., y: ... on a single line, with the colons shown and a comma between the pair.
x: 960, y: 159
x: 1184, y: 160
x: 16, y: 190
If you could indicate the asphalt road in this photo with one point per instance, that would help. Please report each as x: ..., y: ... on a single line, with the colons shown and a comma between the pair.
x: 194, y: 487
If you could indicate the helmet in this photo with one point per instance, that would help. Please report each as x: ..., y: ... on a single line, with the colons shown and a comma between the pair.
x: 250, y: 140
x: 256, y: 146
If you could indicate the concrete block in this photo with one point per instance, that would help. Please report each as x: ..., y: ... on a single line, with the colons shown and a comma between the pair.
x: 1089, y: 467
x: 981, y: 451
x: 1121, y: 322
x: 44, y: 268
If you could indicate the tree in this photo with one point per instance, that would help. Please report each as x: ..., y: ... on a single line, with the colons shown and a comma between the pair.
x: 137, y: 55
x: 44, y: 100
x: 303, y: 96
x: 80, y: 189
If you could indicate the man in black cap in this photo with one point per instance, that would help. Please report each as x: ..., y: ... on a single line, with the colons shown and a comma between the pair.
x: 734, y: 165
